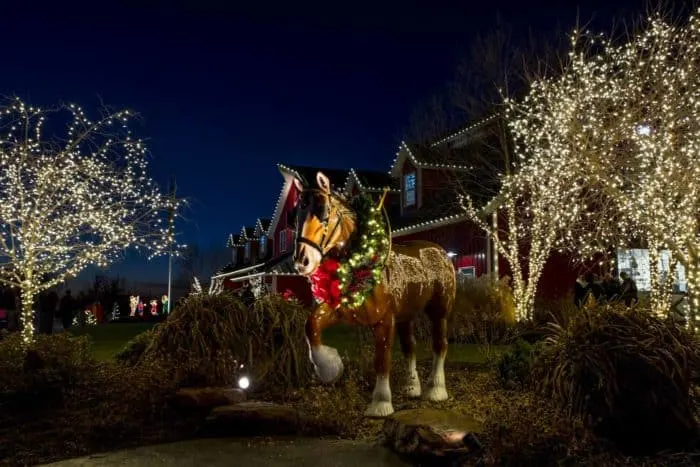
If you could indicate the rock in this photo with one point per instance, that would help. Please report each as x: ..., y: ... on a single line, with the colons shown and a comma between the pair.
x: 207, y: 398
x: 253, y: 419
x: 432, y: 432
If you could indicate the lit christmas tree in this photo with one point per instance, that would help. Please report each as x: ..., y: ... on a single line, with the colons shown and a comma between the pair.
x: 73, y: 200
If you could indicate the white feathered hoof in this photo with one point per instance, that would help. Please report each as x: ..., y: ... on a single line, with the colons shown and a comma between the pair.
x: 412, y: 388
x: 379, y: 409
x: 327, y: 363
x: 436, y: 393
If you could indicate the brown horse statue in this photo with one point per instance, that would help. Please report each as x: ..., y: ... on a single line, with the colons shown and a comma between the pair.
x: 417, y: 276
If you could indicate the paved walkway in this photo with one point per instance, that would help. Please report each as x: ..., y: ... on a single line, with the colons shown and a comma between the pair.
x: 246, y: 452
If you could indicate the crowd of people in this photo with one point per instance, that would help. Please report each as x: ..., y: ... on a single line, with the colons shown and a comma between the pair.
x: 609, y: 289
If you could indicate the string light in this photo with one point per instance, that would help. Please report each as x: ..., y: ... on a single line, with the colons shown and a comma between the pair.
x: 405, y: 149
x: 621, y: 127
x: 369, y: 257
x: 72, y: 202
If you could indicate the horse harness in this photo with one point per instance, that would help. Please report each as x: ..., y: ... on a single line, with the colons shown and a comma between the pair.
x: 327, y: 236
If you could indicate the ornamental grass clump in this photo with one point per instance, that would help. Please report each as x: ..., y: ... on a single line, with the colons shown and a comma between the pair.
x: 212, y: 340
x: 628, y: 375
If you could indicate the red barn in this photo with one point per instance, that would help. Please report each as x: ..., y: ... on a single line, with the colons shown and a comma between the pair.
x: 423, y: 183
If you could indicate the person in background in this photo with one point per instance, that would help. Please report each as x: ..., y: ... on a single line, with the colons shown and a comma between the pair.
x: 247, y: 296
x: 594, y: 289
x: 580, y: 292
x: 628, y: 290
x: 66, y: 307
x: 611, y: 286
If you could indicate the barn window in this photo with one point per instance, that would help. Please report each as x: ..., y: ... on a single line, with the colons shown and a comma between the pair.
x: 263, y: 245
x: 283, y: 241
x: 409, y: 189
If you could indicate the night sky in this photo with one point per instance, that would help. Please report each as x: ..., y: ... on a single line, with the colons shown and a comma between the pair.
x: 227, y: 92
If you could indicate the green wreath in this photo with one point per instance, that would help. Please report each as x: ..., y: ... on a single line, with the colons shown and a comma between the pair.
x: 361, y: 271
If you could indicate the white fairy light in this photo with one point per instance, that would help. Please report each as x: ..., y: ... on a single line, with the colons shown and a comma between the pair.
x: 647, y: 174
x: 74, y: 201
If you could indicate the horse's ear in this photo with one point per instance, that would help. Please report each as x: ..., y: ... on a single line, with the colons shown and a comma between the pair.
x: 298, y: 185
x: 323, y: 183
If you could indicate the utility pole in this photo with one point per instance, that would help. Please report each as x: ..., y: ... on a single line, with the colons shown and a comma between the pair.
x: 171, y: 227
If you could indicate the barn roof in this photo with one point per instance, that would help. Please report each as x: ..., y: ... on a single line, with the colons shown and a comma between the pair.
x: 307, y: 175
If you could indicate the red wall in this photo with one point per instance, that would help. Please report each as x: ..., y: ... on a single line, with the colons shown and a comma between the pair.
x: 463, y: 238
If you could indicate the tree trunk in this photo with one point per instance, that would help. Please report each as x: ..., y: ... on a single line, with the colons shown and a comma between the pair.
x: 27, y: 313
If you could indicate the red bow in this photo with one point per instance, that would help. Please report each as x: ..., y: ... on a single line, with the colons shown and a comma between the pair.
x: 325, y: 284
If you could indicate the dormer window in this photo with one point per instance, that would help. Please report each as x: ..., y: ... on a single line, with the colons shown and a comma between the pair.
x: 409, y: 189
x: 263, y: 245
x: 247, y: 251
x: 283, y: 241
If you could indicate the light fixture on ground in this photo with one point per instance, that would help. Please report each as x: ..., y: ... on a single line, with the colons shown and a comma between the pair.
x: 243, y: 382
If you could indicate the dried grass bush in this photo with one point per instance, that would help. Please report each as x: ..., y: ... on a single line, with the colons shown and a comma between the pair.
x: 209, y: 340
x: 628, y: 375
x: 483, y: 314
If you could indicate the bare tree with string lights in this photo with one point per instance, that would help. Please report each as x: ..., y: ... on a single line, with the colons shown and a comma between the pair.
x: 627, y: 111
x: 74, y: 200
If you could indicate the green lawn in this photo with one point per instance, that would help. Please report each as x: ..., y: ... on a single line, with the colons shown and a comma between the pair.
x: 108, y: 339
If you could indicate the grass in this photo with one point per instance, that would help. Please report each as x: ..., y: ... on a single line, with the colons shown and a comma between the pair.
x: 108, y: 339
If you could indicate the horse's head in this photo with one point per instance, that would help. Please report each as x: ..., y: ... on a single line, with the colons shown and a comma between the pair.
x: 324, y: 223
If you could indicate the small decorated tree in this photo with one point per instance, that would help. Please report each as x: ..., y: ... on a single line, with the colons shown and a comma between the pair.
x: 73, y: 200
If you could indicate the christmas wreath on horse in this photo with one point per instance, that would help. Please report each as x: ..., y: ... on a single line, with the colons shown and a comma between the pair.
x: 358, y: 277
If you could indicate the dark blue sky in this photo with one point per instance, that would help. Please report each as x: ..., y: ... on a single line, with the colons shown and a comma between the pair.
x: 227, y: 92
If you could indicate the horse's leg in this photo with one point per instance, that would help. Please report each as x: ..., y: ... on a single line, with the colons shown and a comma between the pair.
x: 381, y: 396
x: 436, y: 390
x: 408, y: 348
x: 326, y: 361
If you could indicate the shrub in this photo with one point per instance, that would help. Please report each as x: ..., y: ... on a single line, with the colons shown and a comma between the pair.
x: 42, y: 374
x: 627, y: 374
x: 209, y: 340
x: 514, y: 367
x: 132, y: 351
x: 484, y: 311
x: 56, y: 401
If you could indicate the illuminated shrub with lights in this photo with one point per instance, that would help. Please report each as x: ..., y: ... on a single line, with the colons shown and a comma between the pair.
x: 484, y: 312
x: 212, y: 340
x: 628, y: 375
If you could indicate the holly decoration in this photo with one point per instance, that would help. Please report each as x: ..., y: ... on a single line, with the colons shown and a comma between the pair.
x: 348, y: 281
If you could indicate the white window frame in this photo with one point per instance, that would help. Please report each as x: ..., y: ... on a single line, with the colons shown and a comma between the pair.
x: 283, y: 240
x: 414, y: 201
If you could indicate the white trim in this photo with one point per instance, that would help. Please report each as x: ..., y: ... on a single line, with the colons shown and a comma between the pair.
x: 281, y: 202
x: 429, y: 225
x: 404, y: 151
x: 352, y: 176
x: 262, y: 274
x: 238, y: 271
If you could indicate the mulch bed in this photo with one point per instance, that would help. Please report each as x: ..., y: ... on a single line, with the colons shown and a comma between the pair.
x: 520, y: 430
